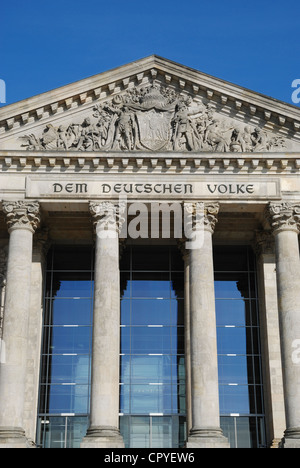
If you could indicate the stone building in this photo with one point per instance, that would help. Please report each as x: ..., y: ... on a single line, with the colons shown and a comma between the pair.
x: 149, y: 264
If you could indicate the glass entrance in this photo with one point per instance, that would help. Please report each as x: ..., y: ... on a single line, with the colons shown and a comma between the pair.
x: 153, y: 431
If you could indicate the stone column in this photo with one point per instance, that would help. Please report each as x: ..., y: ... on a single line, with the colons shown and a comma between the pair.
x: 284, y: 219
x: 104, y: 417
x: 270, y: 337
x: 39, y: 256
x: 22, y: 220
x: 187, y: 340
x: 205, y: 431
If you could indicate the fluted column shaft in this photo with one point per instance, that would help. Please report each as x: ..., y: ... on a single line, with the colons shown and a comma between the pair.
x: 205, y: 431
x: 285, y: 222
x: 22, y: 219
x: 104, y: 416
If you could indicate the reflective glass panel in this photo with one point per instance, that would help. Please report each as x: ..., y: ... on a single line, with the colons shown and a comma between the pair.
x: 67, y: 343
x: 71, y: 311
x: 239, y: 358
x: 152, y: 366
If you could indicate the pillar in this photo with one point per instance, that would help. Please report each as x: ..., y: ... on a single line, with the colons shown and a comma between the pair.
x: 205, y: 431
x: 270, y: 338
x: 35, y: 322
x: 22, y: 220
x: 187, y: 340
x: 284, y: 219
x: 104, y: 417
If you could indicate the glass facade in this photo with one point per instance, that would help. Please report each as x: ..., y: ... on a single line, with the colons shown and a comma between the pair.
x: 152, y: 357
x: 239, y: 356
x: 152, y: 380
x: 66, y: 349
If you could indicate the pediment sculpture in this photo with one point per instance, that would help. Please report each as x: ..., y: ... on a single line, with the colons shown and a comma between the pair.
x: 155, y: 118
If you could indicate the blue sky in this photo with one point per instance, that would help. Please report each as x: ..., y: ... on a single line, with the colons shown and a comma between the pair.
x: 44, y: 45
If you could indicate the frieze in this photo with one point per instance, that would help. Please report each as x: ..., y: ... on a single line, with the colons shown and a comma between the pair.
x: 154, y: 118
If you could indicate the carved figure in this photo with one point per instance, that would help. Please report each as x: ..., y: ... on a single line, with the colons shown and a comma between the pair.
x: 237, y: 143
x: 156, y: 119
x: 259, y: 140
x: 185, y: 133
x: 214, y: 136
x: 125, y: 130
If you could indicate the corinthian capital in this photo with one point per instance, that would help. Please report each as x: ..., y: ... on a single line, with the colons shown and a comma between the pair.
x: 284, y: 216
x: 264, y: 243
x: 21, y: 214
x: 107, y: 216
x: 201, y: 215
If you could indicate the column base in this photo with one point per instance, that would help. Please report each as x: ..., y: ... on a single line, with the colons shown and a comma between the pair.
x: 291, y: 438
x: 102, y: 437
x: 13, y: 437
x: 207, y: 438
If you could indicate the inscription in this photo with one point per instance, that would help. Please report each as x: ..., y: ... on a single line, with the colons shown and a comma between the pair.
x: 233, y: 189
x: 218, y: 189
x: 103, y: 188
x: 70, y: 188
x: 125, y: 188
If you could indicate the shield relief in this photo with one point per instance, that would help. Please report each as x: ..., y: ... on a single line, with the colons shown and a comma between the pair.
x: 154, y: 129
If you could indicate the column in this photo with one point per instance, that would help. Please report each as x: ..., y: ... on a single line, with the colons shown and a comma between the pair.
x: 22, y: 220
x: 284, y: 219
x: 270, y: 337
x: 104, y: 417
x: 187, y: 341
x: 39, y: 257
x: 205, y: 431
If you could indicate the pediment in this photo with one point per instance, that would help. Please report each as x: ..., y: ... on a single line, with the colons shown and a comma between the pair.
x: 151, y: 105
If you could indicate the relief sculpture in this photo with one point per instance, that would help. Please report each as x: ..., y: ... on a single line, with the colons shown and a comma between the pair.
x: 154, y: 119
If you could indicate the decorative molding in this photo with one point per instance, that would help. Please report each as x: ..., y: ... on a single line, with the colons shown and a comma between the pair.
x: 41, y: 241
x: 201, y: 215
x: 264, y: 243
x: 114, y: 161
x: 142, y: 72
x: 283, y: 216
x: 21, y: 214
x: 107, y: 216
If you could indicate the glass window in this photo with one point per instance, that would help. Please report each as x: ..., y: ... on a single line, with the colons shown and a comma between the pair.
x: 61, y: 431
x: 66, y: 349
x: 153, y: 431
x: 244, y: 432
x: 239, y: 358
x: 152, y: 372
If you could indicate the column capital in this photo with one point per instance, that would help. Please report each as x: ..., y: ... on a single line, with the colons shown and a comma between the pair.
x: 107, y: 216
x: 41, y: 241
x: 185, y: 253
x: 21, y: 214
x: 283, y: 216
x: 264, y: 243
x: 202, y: 215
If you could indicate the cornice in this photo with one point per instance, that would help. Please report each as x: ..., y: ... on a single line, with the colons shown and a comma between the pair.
x: 143, y: 71
x: 147, y: 162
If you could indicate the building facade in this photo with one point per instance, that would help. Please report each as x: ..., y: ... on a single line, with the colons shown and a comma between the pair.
x: 149, y: 264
